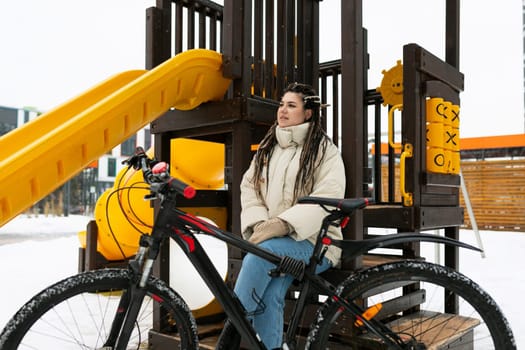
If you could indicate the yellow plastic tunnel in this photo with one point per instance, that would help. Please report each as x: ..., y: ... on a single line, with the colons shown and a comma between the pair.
x: 121, y: 212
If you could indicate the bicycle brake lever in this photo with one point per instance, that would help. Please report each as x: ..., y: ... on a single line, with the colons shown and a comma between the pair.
x: 134, y: 160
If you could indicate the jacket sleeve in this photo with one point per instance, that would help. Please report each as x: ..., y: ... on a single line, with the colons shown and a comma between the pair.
x: 253, y: 209
x: 330, y: 181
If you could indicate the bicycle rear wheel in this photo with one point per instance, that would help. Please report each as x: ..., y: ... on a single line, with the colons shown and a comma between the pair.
x: 77, y: 313
x: 409, y: 297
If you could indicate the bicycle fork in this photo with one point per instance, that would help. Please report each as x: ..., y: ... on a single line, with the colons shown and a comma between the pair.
x: 130, y: 303
x: 125, y: 319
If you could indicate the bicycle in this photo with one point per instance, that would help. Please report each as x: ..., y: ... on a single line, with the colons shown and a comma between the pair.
x: 112, y: 308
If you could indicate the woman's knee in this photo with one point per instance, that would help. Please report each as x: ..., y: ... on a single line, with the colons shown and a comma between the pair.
x: 251, y: 261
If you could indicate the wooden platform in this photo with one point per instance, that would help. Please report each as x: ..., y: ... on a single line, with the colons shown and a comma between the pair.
x: 438, y: 331
x: 208, y: 336
x: 452, y: 329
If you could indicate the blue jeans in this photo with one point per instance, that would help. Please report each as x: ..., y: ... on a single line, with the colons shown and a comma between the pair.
x: 262, y: 295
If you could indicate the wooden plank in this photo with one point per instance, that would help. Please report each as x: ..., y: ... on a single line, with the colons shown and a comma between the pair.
x: 436, y: 330
x: 497, y: 193
x: 208, y: 336
x: 401, y: 304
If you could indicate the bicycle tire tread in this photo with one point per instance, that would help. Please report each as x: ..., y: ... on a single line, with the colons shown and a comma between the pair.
x: 97, y: 280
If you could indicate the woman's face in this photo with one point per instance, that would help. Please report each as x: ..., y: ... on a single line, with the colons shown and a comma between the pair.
x: 291, y: 110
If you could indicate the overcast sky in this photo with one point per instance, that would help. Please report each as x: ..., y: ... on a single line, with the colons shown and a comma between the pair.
x: 54, y: 50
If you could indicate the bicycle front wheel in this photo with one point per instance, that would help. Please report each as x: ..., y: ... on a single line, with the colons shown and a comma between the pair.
x: 78, y: 312
x: 428, y: 306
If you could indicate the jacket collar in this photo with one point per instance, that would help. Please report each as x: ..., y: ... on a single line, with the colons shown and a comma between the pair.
x: 292, y: 135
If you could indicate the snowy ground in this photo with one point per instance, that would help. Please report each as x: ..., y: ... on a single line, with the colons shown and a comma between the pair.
x: 35, y: 252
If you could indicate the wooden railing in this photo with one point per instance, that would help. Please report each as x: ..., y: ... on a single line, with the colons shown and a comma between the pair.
x: 197, y: 24
x: 174, y: 26
x: 267, y: 43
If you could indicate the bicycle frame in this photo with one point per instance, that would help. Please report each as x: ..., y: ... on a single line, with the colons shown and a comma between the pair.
x: 182, y: 227
x: 179, y: 225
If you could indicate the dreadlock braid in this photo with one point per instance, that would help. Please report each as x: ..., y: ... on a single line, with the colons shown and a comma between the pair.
x: 262, y: 157
x: 313, y: 149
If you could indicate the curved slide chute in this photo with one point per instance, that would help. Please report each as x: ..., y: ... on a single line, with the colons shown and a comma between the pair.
x: 43, y: 154
x: 46, y: 152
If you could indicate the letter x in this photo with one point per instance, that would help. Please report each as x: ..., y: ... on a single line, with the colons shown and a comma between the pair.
x: 451, y: 138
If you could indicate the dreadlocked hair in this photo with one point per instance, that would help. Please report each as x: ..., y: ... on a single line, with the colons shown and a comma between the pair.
x: 313, y: 151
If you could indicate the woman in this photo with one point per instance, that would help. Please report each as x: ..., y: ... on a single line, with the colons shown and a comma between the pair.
x: 296, y: 158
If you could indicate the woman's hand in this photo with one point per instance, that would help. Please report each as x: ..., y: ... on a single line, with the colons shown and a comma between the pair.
x: 269, y: 229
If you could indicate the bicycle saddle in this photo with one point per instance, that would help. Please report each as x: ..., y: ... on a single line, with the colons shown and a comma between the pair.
x: 345, y: 205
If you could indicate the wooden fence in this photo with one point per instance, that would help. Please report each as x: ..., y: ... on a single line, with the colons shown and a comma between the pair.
x: 497, y: 192
x: 496, y: 189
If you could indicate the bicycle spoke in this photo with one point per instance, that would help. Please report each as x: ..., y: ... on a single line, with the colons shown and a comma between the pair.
x: 78, y: 314
x: 415, y: 299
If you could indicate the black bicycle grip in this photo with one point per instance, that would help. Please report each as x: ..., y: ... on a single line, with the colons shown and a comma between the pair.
x: 186, y: 190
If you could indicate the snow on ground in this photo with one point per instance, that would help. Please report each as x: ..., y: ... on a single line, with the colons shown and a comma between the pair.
x: 33, y: 227
x: 36, y: 252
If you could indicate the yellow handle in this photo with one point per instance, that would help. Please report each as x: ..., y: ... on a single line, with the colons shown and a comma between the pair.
x: 407, y: 197
x: 391, y: 126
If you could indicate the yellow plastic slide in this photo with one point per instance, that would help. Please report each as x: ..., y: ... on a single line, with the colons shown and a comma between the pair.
x: 43, y: 154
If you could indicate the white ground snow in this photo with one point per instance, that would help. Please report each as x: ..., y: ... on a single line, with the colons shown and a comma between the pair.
x: 35, y: 252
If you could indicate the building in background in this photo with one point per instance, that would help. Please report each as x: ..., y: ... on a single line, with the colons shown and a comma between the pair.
x: 11, y: 118
x: 78, y: 195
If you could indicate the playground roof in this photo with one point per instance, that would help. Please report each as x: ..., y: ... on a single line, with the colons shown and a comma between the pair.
x: 483, y: 142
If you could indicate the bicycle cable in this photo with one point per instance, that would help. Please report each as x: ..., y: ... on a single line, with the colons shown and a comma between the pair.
x: 111, y: 231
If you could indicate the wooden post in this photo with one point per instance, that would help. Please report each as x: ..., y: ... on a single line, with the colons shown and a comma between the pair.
x: 90, y: 257
x: 352, y: 68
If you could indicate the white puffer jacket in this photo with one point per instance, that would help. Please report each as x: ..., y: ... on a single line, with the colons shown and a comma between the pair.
x: 277, y: 190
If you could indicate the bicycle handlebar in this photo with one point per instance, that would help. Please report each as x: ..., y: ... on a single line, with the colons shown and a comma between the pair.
x: 157, y: 173
x: 181, y: 187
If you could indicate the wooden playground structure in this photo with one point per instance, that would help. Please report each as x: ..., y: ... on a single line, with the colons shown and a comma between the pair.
x: 262, y: 62
x: 267, y: 44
